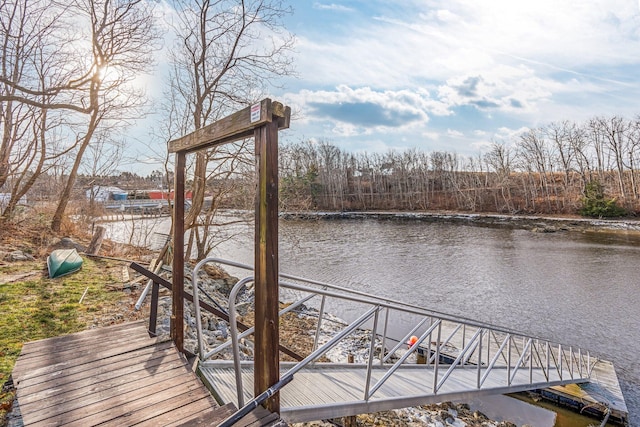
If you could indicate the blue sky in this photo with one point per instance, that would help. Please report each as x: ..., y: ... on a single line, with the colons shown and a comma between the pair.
x: 454, y: 75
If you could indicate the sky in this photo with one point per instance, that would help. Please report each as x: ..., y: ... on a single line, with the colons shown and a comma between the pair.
x: 456, y: 75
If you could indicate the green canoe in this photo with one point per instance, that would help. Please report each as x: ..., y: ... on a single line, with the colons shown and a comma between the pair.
x: 63, y: 261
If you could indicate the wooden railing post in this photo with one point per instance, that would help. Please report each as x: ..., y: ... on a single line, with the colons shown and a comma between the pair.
x: 266, y: 358
x: 153, y: 309
x: 177, y: 317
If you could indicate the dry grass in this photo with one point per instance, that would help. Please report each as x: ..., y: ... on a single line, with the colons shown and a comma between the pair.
x: 294, y: 333
x: 34, y: 306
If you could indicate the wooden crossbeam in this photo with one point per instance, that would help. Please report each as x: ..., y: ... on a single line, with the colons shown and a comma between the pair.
x: 237, y: 126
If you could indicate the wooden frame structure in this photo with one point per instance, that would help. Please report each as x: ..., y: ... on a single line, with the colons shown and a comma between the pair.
x: 262, y: 121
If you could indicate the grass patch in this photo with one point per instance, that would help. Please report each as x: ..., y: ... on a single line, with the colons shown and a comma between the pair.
x: 38, y: 307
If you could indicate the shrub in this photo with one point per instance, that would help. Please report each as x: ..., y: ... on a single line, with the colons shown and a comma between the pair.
x: 595, y: 204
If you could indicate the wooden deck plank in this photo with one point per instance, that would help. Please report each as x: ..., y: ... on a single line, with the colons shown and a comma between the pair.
x: 85, y: 379
x: 90, y: 334
x: 85, y: 352
x: 70, y: 367
x: 115, y: 409
x: 103, y: 391
x: 196, y: 413
x: 129, y: 411
x: 116, y: 375
x: 258, y: 417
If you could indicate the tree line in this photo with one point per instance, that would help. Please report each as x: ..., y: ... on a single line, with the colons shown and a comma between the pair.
x: 544, y: 170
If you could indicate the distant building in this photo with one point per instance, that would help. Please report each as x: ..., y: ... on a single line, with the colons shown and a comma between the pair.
x: 99, y: 193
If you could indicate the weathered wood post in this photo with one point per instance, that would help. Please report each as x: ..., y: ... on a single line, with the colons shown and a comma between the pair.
x: 96, y: 241
x: 262, y: 121
x: 177, y: 312
x: 266, y: 357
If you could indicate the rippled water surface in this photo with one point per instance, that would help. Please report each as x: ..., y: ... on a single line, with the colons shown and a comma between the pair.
x: 577, y: 288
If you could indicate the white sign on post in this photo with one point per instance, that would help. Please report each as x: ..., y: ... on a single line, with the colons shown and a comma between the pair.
x: 255, y: 112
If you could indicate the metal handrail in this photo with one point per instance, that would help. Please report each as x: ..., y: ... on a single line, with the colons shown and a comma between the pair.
x: 400, y: 361
x: 383, y: 300
x: 520, y: 349
x: 235, y: 342
x: 458, y: 359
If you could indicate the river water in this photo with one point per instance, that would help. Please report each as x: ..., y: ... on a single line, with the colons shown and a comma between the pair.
x: 578, y: 288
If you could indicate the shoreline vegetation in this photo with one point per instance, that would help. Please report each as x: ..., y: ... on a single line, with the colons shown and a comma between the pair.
x: 535, y: 223
x: 36, y: 307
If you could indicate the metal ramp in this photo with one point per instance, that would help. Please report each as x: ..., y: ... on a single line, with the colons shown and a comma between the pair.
x: 452, y: 358
x: 324, y: 391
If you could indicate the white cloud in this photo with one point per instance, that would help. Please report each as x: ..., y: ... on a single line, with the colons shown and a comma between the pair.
x: 332, y: 6
x: 517, y: 48
x: 509, y: 134
x: 364, y: 110
x: 346, y: 129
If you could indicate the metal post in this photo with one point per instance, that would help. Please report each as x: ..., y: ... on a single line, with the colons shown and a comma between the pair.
x: 384, y: 336
x: 319, y: 327
x: 436, y: 362
x: 372, y: 348
x: 509, y: 362
x: 464, y: 336
x: 479, y: 357
x: 560, y: 360
x: 571, y: 362
x: 548, y: 360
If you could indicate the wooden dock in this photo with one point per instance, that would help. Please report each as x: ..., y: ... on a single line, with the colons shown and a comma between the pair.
x: 115, y: 376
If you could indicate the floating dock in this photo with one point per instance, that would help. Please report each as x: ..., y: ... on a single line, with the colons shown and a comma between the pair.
x: 599, y: 398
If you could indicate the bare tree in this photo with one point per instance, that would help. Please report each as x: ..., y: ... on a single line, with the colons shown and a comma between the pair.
x: 536, y: 154
x: 35, y: 41
x: 634, y: 145
x: 29, y: 137
x: 122, y: 38
x: 101, y: 159
x: 613, y: 131
x: 227, y: 53
x: 499, y: 159
x: 577, y: 137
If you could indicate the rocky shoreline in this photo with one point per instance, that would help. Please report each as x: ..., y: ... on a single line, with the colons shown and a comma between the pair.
x: 528, y: 222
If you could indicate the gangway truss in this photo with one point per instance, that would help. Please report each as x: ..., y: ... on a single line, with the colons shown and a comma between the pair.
x: 459, y: 358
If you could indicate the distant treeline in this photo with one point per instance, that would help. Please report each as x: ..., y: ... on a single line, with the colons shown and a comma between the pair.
x: 553, y: 169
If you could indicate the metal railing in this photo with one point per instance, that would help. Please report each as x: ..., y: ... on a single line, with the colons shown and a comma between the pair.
x: 445, y: 343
